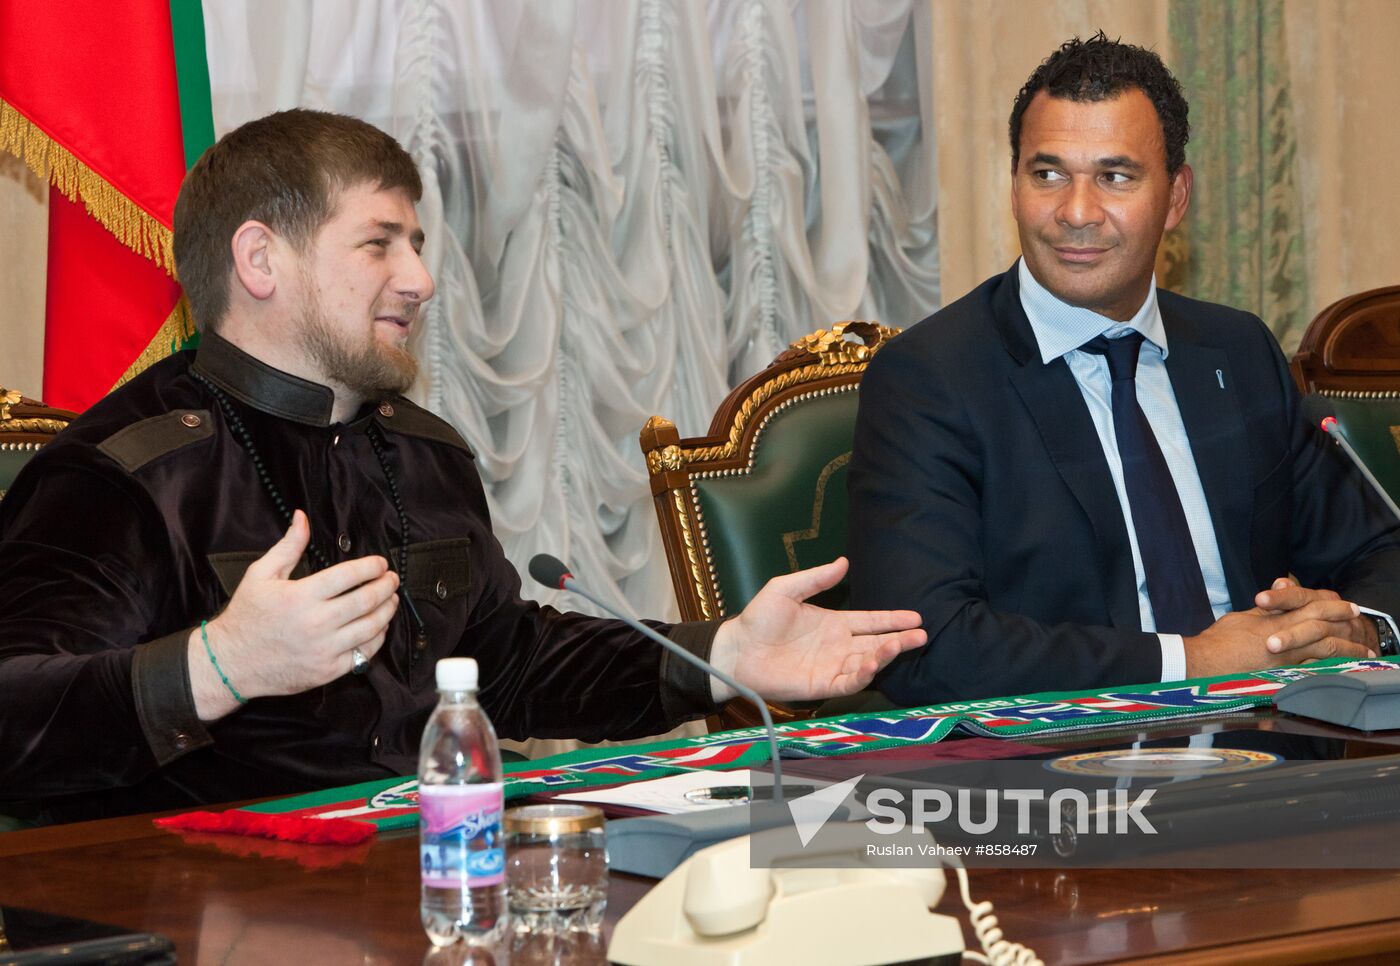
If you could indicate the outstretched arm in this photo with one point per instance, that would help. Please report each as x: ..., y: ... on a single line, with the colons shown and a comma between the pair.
x: 789, y: 650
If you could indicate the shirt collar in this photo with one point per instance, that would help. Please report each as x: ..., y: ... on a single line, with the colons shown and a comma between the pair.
x: 1060, y: 327
x: 259, y: 385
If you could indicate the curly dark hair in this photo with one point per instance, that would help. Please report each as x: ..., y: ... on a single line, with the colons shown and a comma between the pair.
x: 1099, y: 69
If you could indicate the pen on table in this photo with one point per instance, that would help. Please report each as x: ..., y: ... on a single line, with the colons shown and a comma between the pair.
x: 741, y: 793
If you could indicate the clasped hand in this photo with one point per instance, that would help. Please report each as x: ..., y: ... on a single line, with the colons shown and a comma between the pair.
x: 283, y: 636
x: 1289, y: 624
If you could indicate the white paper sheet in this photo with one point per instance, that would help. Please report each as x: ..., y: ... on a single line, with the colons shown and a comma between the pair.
x: 666, y: 795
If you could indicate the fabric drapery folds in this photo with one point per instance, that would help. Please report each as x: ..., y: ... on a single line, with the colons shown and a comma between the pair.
x: 628, y: 206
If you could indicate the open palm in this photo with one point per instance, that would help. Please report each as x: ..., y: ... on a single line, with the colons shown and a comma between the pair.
x: 789, y: 650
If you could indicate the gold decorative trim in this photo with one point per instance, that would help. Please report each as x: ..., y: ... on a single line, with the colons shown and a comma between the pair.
x: 836, y: 356
x: 668, y: 458
x: 793, y: 537
x: 768, y: 417
x: 833, y: 348
x: 692, y: 554
x: 47, y: 426
x: 132, y: 225
x: 174, y: 332
x: 1395, y: 434
x: 728, y: 449
x: 27, y: 424
x: 839, y: 357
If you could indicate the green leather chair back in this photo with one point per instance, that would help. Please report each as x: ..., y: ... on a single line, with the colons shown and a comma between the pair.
x: 789, y: 511
x: 10, y: 462
x: 1371, y: 424
x: 764, y: 492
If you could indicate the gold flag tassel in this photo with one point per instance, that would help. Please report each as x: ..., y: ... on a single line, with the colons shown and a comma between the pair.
x: 175, y: 333
x: 132, y: 225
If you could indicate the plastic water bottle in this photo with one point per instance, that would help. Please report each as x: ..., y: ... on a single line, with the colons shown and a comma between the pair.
x: 461, y: 800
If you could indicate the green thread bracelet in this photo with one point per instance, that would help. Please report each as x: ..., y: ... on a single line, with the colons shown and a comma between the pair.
x: 204, y: 635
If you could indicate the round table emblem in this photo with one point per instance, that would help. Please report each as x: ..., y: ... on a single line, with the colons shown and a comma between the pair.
x: 1163, y: 762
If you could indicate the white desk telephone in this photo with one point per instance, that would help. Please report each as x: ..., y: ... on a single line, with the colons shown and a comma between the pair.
x: 717, y: 910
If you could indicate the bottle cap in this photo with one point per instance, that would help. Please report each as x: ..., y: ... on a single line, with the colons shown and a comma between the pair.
x: 456, y: 674
x: 553, y: 819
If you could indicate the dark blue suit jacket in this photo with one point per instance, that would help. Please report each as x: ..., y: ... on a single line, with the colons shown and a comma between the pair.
x: 980, y: 497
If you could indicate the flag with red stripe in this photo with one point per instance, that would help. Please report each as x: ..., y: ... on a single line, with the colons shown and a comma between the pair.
x: 109, y: 102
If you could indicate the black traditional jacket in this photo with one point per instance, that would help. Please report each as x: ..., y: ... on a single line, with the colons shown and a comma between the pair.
x: 138, y: 521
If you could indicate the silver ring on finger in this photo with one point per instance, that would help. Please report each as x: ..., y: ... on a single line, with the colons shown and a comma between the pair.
x: 358, y: 662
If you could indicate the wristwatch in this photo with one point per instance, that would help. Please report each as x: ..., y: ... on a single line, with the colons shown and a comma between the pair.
x: 1385, y: 635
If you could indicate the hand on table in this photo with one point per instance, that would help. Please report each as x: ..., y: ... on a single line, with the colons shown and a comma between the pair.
x: 1287, y: 595
x: 283, y: 636
x: 1290, y: 625
x: 788, y: 650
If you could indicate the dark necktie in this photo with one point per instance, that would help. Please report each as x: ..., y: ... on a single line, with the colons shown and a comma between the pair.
x: 1180, y: 604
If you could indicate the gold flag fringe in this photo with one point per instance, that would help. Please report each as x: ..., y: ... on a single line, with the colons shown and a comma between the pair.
x: 49, y: 160
x: 174, y: 333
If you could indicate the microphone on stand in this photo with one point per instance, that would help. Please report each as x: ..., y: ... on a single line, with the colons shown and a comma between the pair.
x: 653, y: 845
x: 552, y: 572
x: 1318, y: 409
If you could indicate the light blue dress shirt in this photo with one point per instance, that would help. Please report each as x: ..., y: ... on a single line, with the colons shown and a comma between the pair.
x: 1060, y: 329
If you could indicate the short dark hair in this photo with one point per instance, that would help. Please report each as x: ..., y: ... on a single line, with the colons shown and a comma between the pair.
x: 284, y: 170
x: 1099, y: 69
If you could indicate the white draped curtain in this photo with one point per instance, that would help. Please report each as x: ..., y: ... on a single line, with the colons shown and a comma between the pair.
x: 630, y: 205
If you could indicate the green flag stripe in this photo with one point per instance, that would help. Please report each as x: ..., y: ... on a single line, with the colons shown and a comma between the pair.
x: 192, y: 78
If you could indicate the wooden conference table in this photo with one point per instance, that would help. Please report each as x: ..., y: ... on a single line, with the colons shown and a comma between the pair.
x: 235, y: 901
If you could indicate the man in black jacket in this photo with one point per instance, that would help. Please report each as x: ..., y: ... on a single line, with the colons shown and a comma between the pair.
x: 233, y: 576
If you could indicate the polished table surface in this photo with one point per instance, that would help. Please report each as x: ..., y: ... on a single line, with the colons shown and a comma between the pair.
x: 230, y: 900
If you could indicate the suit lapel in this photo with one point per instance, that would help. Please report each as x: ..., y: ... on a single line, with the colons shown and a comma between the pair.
x: 1056, y: 406
x: 1205, y: 395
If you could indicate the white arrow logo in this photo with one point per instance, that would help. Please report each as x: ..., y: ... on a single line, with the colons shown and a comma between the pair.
x: 811, y: 812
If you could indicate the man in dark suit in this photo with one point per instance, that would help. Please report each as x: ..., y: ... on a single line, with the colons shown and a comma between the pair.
x: 1081, y: 481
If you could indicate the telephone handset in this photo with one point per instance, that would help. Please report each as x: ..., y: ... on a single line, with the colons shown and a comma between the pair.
x: 717, y: 909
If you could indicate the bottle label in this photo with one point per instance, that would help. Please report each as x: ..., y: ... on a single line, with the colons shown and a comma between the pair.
x: 460, y: 840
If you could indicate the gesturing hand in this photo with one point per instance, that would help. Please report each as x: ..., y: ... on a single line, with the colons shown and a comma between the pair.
x: 787, y: 650
x: 284, y: 636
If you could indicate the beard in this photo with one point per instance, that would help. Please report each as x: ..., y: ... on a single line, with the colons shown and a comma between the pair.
x: 370, y: 369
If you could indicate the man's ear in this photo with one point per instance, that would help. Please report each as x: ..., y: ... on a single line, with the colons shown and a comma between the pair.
x: 252, y: 259
x: 1180, y: 196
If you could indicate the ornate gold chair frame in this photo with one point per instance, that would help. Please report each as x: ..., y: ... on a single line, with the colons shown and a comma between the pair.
x: 825, y: 363
x: 25, y: 425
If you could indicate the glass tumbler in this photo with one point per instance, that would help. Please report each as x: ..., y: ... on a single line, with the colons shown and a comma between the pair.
x: 556, y: 867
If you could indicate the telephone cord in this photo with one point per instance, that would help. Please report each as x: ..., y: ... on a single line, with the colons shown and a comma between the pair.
x: 999, y: 951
